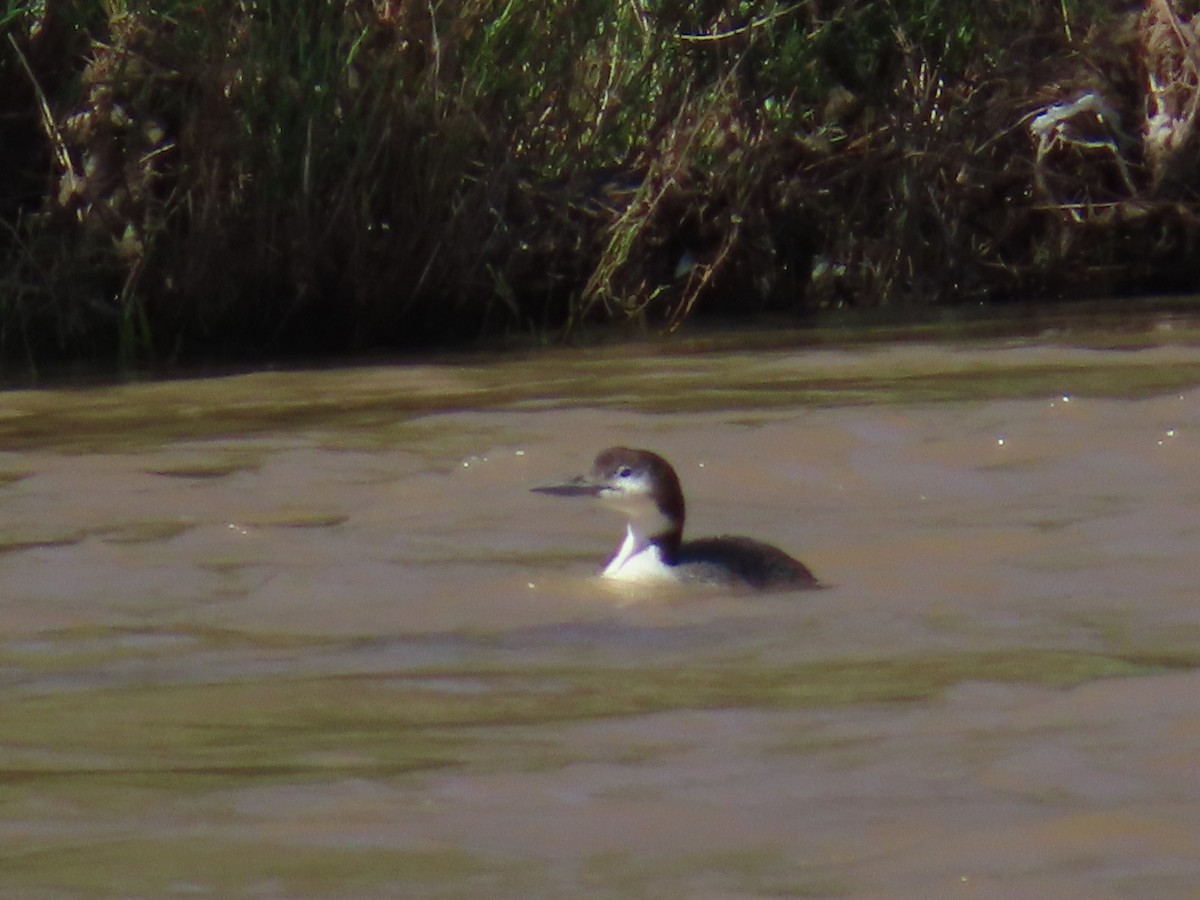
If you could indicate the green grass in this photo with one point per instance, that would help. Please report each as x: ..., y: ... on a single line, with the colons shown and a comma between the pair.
x: 353, y: 175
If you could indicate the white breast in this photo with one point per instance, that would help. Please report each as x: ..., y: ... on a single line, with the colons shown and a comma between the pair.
x: 632, y: 564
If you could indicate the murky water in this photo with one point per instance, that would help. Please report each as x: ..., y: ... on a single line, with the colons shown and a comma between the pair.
x: 309, y: 635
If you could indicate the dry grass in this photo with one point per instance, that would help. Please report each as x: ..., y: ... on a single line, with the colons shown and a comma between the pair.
x: 257, y: 177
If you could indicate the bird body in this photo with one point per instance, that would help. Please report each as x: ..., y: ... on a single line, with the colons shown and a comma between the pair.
x: 644, y: 486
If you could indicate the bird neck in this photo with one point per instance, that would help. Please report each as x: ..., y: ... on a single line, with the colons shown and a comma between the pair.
x: 666, y: 537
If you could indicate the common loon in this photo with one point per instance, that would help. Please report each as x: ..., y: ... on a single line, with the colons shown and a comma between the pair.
x: 643, y: 485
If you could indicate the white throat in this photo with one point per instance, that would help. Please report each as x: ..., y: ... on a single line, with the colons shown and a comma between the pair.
x: 637, y: 560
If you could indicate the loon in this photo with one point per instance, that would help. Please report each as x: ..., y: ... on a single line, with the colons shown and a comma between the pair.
x: 643, y: 486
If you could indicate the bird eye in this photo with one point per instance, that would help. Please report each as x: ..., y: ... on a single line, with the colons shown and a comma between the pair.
x: 624, y: 471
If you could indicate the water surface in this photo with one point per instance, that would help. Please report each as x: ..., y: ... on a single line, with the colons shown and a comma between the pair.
x: 308, y: 634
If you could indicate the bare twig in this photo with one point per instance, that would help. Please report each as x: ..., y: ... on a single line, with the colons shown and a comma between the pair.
x: 48, y: 123
x: 749, y: 26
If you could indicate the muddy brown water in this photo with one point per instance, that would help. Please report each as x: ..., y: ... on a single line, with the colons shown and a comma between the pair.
x: 308, y: 634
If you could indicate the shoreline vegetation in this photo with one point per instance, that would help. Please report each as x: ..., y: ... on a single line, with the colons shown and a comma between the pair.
x: 238, y: 179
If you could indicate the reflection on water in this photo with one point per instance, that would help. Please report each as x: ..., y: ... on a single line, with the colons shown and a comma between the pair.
x: 309, y: 634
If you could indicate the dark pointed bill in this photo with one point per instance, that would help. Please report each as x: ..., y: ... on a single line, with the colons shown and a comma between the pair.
x: 576, y: 487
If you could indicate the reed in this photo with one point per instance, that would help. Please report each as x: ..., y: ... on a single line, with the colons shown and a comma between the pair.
x: 258, y: 177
